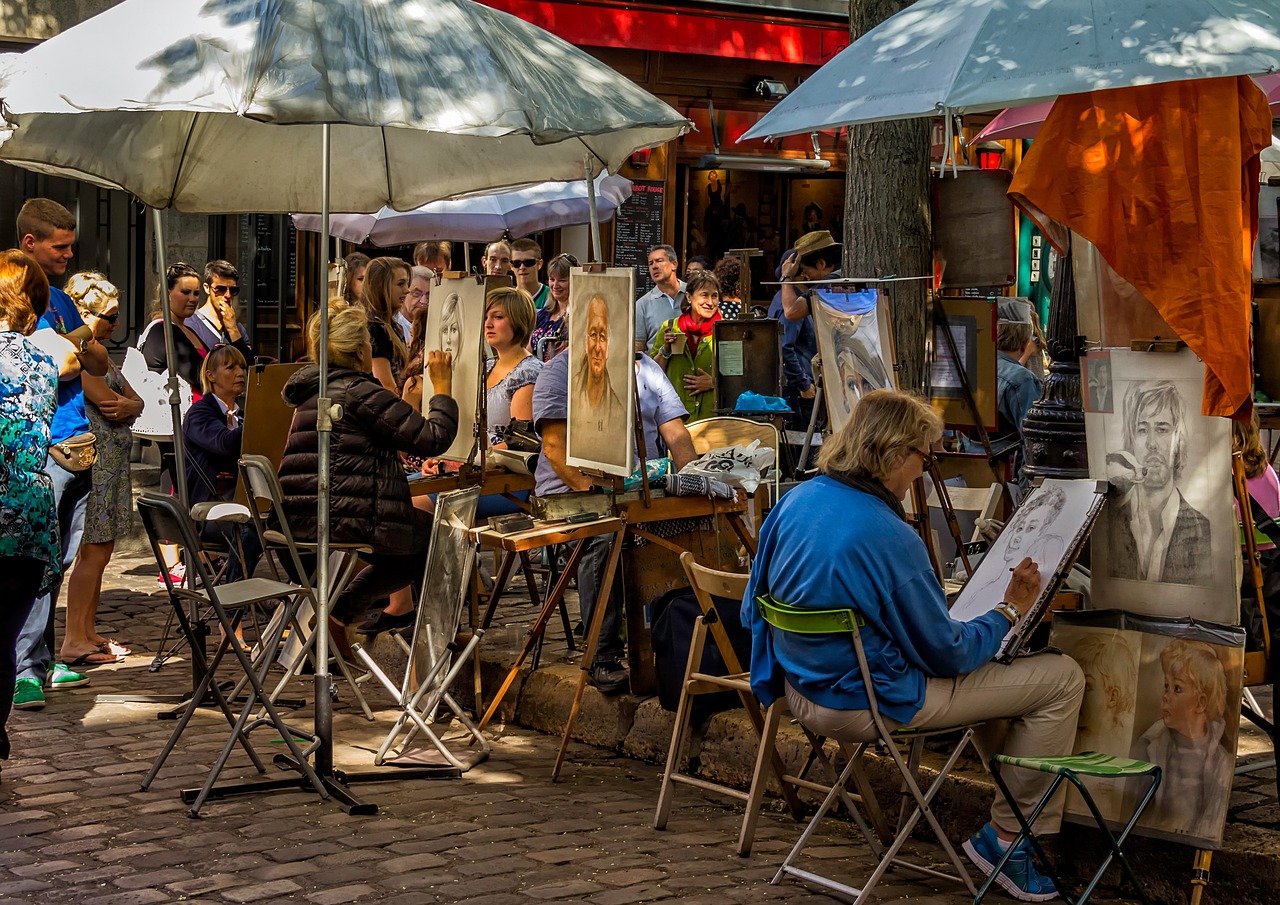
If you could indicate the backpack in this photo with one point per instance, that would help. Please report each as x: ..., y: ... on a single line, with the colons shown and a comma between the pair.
x: 672, y: 618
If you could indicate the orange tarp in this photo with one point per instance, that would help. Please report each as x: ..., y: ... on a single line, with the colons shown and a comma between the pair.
x: 1163, y: 179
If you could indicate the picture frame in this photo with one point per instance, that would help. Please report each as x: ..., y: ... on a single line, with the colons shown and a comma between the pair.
x: 602, y: 377
x: 855, y: 344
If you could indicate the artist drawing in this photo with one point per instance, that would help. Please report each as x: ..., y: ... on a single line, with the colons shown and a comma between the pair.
x: 455, y: 318
x: 601, y: 371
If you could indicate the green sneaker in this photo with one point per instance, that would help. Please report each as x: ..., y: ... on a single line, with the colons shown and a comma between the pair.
x: 28, y: 695
x: 62, y: 677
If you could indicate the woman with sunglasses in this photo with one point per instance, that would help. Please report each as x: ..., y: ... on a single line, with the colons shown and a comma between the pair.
x: 549, y: 330
x: 112, y: 406
x: 216, y: 322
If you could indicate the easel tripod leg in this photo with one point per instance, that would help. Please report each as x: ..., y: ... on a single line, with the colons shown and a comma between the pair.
x: 1200, y: 874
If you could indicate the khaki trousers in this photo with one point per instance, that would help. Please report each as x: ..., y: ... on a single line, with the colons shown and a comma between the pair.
x: 1029, y: 707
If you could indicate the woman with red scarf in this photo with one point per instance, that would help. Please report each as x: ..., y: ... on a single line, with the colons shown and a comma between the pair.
x: 685, y: 348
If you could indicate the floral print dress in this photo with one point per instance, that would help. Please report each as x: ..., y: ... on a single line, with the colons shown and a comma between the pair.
x: 28, y: 398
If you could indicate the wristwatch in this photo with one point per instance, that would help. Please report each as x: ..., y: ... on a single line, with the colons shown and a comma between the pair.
x: 84, y: 346
x: 1009, y: 611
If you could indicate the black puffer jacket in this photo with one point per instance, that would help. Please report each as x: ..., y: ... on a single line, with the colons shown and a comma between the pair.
x: 370, y: 501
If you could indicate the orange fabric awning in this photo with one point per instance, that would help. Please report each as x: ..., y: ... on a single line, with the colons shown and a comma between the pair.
x: 1163, y: 179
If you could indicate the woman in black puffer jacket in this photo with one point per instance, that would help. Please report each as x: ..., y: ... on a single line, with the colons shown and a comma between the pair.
x: 369, y: 500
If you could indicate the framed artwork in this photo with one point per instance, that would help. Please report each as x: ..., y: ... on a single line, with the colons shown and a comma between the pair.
x: 602, y: 376
x: 455, y: 323
x: 855, y: 343
x: 1097, y: 391
x: 1166, y: 544
x: 450, y: 559
x: 972, y: 323
x: 1049, y: 526
x: 1159, y: 690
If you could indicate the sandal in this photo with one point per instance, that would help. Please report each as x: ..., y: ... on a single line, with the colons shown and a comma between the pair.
x: 86, y: 660
x: 114, y: 648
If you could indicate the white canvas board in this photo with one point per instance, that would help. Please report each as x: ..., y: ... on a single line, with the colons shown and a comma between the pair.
x: 857, y: 355
x: 455, y: 323
x: 450, y: 559
x: 602, y: 377
x: 1048, y: 526
x: 1165, y: 544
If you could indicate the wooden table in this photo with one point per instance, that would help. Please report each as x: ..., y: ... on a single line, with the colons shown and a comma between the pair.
x: 493, y: 483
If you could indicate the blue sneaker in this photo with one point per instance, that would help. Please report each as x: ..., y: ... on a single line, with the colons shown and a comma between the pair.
x: 1019, y: 878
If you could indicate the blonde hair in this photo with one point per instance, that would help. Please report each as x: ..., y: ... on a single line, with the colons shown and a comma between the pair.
x: 1110, y: 658
x: 518, y: 306
x: 91, y: 291
x: 348, y: 333
x: 218, y: 357
x: 884, y: 427
x: 1197, y: 661
x: 1245, y: 439
x: 376, y: 298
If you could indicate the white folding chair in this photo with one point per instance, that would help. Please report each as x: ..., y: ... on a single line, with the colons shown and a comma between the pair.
x: 435, y: 657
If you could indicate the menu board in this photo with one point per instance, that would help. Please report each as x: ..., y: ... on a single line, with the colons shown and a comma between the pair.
x: 637, y: 228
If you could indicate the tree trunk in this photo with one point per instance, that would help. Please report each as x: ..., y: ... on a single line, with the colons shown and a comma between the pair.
x: 888, y: 226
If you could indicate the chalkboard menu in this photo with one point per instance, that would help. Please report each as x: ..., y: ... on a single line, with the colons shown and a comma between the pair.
x: 637, y: 228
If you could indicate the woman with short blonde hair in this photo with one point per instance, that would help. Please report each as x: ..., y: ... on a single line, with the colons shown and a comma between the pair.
x: 348, y: 335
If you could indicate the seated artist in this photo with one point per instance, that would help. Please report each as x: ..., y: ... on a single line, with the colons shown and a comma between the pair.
x: 211, y: 434
x: 929, y: 670
x: 370, y: 502
x: 664, y: 433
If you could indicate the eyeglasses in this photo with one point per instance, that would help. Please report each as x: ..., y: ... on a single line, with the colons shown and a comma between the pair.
x: 416, y: 293
x: 233, y: 291
x: 926, y: 458
x: 110, y: 318
x: 524, y: 262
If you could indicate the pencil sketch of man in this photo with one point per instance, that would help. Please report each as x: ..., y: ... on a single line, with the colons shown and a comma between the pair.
x: 599, y: 428
x: 1159, y: 535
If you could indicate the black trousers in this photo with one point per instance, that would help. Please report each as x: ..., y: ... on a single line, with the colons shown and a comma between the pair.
x: 19, y: 582
x: 385, y: 574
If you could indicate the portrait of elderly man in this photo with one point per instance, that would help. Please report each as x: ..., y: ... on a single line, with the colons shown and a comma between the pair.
x: 1159, y: 535
x: 598, y: 426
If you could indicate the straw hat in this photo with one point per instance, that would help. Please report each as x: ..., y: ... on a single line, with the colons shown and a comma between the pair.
x: 818, y: 240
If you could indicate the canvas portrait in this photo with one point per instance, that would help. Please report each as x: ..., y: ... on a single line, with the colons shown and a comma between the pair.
x: 1098, y: 395
x: 601, y: 432
x: 1161, y: 691
x: 855, y: 343
x: 1048, y: 527
x: 450, y: 559
x: 455, y: 323
x: 1165, y: 543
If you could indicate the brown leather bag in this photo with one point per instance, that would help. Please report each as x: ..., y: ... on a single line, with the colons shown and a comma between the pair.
x: 76, y: 454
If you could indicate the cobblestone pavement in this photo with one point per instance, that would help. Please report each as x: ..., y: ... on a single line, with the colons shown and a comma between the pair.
x: 74, y: 826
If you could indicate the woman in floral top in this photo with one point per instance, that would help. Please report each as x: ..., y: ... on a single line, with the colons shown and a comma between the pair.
x: 29, y: 552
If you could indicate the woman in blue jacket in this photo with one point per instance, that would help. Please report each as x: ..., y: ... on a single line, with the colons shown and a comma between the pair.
x: 928, y: 669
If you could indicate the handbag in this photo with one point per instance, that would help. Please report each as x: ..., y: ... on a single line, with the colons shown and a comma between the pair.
x: 521, y: 436
x: 76, y: 454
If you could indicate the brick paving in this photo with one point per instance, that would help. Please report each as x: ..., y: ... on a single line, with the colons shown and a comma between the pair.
x: 74, y: 826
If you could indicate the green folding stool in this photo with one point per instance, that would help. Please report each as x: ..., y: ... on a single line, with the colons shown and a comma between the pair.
x: 1071, y: 767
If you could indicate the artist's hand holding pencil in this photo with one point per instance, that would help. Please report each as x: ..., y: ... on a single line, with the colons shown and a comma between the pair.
x: 1024, y: 585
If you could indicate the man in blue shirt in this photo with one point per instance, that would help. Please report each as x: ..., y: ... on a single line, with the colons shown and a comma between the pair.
x: 799, y: 346
x: 662, y: 414
x: 47, y: 232
x: 664, y: 301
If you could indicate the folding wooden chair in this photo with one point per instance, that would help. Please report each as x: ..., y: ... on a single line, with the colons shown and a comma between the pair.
x: 706, y: 584
x: 284, y: 552
x: 782, y: 617
x: 435, y: 658
x: 166, y: 523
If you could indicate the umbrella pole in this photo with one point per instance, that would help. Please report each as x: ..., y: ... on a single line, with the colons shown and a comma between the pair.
x: 591, y: 208
x: 324, y: 426
x: 175, y: 399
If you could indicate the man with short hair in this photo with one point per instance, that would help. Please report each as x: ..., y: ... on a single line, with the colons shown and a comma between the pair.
x: 437, y: 256
x: 662, y: 414
x: 47, y: 232
x: 664, y: 301
x: 216, y: 322
x: 419, y: 291
x: 497, y: 258
x: 526, y: 262
x: 817, y: 257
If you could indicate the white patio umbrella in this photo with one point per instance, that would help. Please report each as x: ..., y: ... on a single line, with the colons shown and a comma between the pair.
x: 227, y: 106
x: 482, y: 217
x: 968, y: 56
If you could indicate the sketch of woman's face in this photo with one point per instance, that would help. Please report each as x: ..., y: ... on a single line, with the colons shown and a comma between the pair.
x: 451, y: 326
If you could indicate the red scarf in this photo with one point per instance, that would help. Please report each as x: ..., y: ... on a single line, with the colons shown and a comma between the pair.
x: 694, y: 333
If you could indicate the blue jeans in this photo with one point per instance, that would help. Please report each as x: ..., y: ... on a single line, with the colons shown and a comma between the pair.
x: 590, y: 575
x: 35, y: 641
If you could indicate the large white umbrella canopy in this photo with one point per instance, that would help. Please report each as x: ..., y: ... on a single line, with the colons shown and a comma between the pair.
x: 216, y: 106
x: 969, y: 56
x: 480, y: 218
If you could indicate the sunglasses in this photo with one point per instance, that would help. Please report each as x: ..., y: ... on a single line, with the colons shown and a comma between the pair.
x: 109, y: 318
x: 524, y: 262
x: 233, y: 291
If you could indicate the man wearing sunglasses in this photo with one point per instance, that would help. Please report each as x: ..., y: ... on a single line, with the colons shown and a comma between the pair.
x: 526, y: 262
x: 215, y: 322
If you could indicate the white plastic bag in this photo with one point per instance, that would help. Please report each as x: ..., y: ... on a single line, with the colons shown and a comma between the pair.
x: 737, y: 466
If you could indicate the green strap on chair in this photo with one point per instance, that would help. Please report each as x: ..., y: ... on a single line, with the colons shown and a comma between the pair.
x: 806, y: 621
x: 1086, y: 763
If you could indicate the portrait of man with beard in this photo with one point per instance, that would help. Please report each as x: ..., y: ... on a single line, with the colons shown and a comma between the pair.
x: 1159, y: 535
